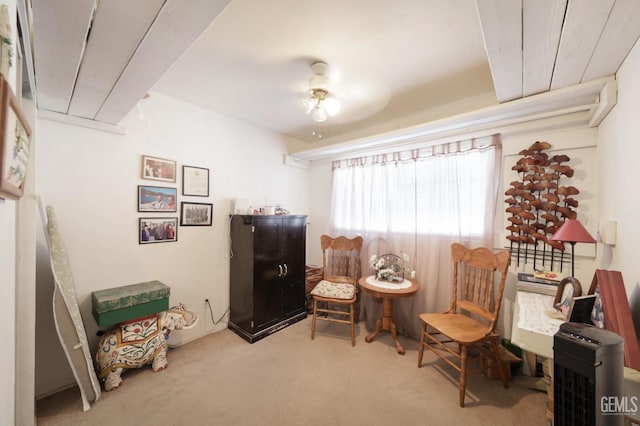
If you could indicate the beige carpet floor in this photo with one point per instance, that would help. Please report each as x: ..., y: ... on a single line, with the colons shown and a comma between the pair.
x: 288, y: 379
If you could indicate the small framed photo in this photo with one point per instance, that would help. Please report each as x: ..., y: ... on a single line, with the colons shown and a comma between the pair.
x: 154, y: 168
x: 157, y: 230
x: 157, y: 199
x: 15, y: 144
x: 196, y: 214
x: 195, y: 181
x: 580, y: 309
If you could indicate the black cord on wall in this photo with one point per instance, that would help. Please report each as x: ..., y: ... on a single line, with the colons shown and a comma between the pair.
x: 211, y: 313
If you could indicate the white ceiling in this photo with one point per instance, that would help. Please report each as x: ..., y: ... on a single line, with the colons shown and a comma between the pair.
x: 387, y: 59
x: 393, y: 63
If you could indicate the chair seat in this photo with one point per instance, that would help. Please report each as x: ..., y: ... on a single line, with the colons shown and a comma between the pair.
x: 334, y: 290
x: 460, y: 328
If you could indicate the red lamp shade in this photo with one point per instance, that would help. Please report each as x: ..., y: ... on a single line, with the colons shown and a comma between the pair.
x: 572, y: 231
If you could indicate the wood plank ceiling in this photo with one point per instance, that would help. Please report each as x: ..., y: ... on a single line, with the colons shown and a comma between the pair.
x: 96, y: 59
x: 535, y: 46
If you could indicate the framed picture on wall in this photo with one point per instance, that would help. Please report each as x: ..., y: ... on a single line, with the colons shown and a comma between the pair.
x: 196, y: 214
x: 195, y: 181
x: 157, y: 199
x: 157, y: 230
x: 154, y: 168
x: 15, y: 144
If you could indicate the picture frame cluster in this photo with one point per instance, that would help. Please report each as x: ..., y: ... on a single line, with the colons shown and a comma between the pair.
x: 164, y: 199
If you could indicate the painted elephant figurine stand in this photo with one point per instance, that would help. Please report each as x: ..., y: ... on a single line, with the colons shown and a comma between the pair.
x: 136, y: 343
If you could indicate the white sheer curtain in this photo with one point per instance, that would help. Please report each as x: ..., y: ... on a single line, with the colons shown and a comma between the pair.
x: 418, y: 202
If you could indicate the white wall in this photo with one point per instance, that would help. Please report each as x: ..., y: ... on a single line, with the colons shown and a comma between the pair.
x: 618, y: 153
x: 320, y: 204
x: 90, y: 177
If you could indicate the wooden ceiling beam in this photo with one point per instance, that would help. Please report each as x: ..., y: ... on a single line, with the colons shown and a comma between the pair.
x: 501, y: 22
x: 109, y: 50
x: 618, y: 37
x: 541, y: 27
x: 177, y: 26
x: 59, y: 42
x: 583, y: 25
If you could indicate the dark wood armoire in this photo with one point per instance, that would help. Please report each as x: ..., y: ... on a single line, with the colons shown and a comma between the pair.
x: 267, y: 274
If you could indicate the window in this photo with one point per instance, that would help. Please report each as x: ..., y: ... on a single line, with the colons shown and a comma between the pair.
x: 443, y: 190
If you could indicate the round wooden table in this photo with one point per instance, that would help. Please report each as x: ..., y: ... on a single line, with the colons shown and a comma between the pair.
x: 387, y: 295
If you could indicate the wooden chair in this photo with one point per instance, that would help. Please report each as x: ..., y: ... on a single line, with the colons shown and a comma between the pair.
x: 470, y: 321
x: 339, y: 284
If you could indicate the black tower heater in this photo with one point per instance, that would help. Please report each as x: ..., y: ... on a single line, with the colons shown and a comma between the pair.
x: 588, y: 366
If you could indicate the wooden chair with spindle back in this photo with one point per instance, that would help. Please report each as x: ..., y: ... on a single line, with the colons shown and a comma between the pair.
x: 341, y: 267
x: 470, y: 321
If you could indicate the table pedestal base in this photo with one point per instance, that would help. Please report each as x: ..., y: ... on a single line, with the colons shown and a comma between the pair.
x: 386, y: 323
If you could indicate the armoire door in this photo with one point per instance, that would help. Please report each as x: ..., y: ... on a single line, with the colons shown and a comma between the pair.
x: 266, y: 290
x: 292, y: 255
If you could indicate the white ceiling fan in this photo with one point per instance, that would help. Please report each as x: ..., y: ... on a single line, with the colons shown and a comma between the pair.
x: 320, y: 102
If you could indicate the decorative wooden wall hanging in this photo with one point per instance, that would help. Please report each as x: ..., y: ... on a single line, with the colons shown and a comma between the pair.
x: 538, y: 206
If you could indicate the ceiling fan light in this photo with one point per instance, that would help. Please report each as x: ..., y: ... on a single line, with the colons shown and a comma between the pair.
x: 307, y: 105
x: 332, y: 105
x: 319, y: 115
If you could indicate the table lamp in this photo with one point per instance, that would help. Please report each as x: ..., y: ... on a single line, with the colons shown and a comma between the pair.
x: 572, y: 232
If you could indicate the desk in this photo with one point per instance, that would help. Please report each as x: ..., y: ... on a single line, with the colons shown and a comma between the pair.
x: 387, y: 295
x: 532, y: 330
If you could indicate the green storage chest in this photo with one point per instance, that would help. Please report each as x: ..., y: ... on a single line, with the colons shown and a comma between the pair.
x: 118, y: 304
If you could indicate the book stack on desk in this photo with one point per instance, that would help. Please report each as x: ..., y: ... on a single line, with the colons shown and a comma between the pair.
x: 538, y: 283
